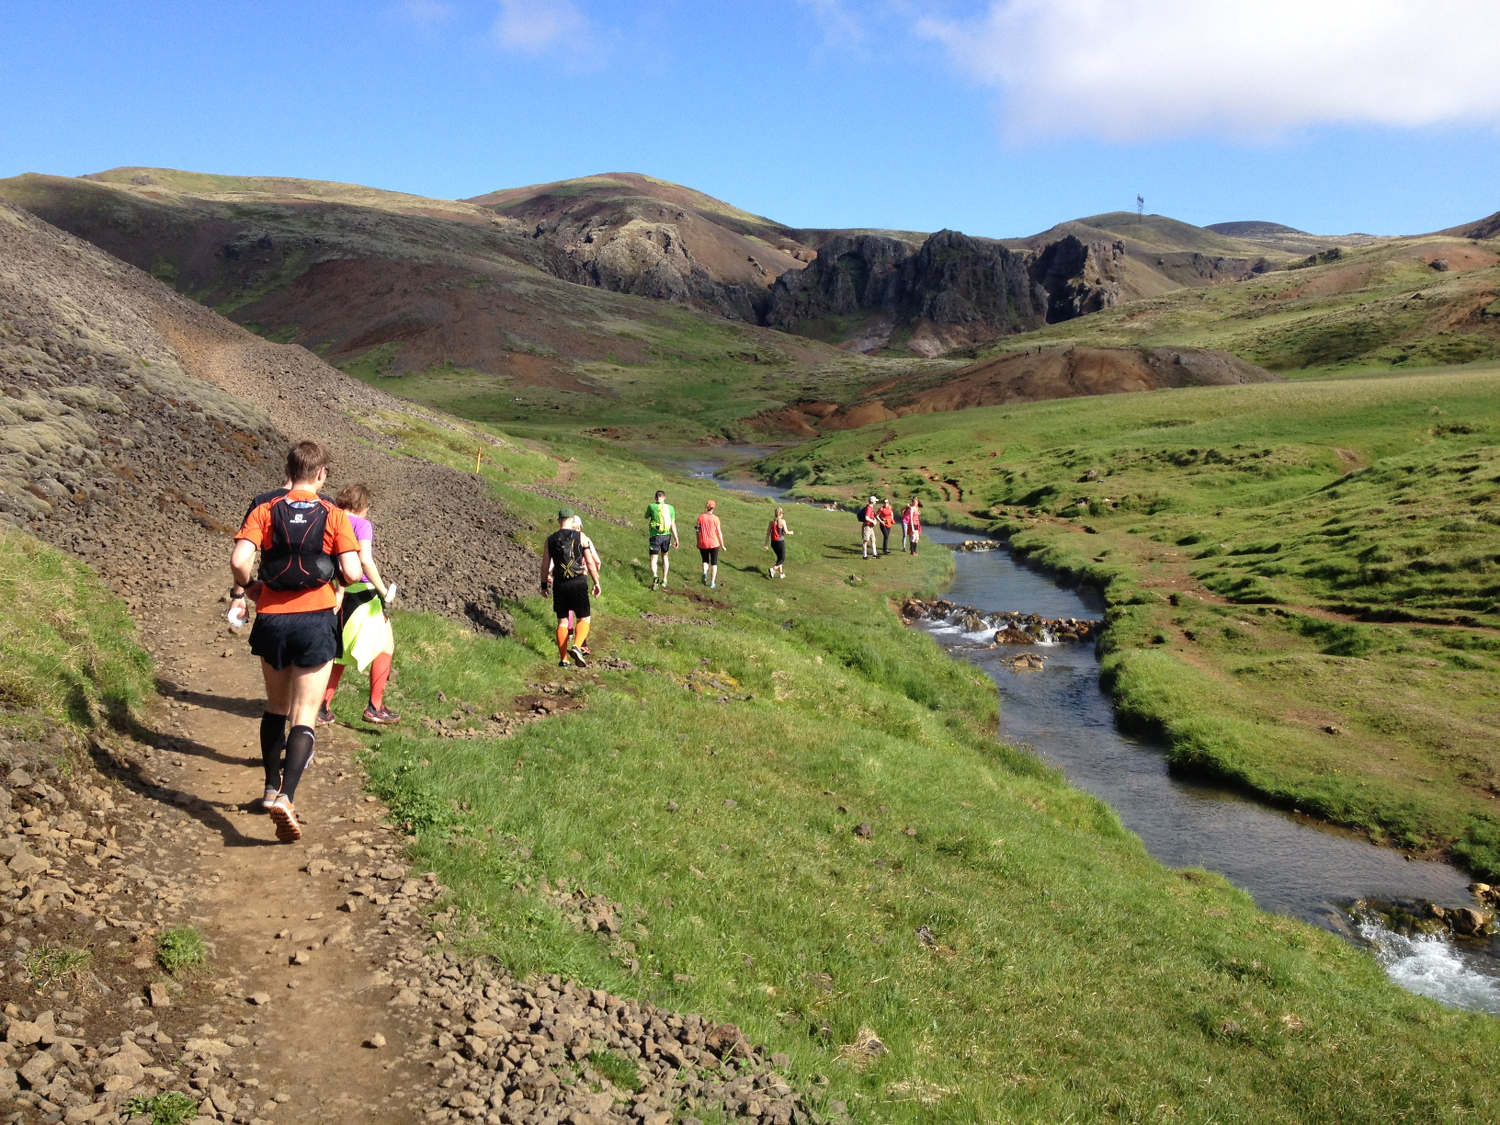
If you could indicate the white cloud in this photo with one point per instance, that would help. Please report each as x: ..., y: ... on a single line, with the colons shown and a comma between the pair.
x: 1127, y: 70
x: 534, y: 27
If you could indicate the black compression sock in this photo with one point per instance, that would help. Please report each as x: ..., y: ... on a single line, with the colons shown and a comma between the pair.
x: 272, y: 741
x: 299, y: 751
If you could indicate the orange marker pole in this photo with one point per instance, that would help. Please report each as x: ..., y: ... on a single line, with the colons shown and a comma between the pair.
x: 478, y: 453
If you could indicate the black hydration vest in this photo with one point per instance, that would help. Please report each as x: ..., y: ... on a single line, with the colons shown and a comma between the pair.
x: 294, y: 559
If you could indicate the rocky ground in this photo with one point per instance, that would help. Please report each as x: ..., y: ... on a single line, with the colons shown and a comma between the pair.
x: 135, y: 425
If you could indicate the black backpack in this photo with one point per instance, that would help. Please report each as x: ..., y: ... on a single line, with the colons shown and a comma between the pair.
x: 567, y: 554
x: 294, y: 559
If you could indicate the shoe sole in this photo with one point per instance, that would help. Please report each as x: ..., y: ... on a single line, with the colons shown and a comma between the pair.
x: 578, y: 657
x: 382, y: 722
x: 288, y: 831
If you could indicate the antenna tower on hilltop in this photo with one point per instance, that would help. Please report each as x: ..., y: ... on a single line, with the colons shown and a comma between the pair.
x: 1140, y: 207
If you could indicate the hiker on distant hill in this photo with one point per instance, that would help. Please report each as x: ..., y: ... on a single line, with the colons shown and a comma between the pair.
x: 710, y: 543
x: 368, y: 639
x: 570, y: 565
x: 776, y: 541
x: 886, y: 517
x: 306, y: 544
x: 868, y: 518
x: 661, y: 520
x: 913, y: 522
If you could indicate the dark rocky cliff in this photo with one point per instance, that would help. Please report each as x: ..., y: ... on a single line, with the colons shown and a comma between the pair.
x: 868, y: 292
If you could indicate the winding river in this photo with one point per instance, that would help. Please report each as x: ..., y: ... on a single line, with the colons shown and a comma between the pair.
x: 1288, y: 864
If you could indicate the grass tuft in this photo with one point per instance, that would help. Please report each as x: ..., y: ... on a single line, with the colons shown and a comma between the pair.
x: 48, y: 963
x: 181, y: 948
x: 171, y: 1108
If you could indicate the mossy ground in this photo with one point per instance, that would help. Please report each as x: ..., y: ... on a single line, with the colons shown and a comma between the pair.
x: 1069, y: 976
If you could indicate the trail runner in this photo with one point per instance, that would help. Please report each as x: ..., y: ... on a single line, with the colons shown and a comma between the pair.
x: 776, y: 535
x: 867, y: 521
x: 710, y: 543
x: 886, y: 517
x: 306, y: 544
x: 661, y: 519
x: 364, y: 621
x: 570, y: 565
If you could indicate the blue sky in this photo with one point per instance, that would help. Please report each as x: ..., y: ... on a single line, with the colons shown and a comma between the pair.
x: 996, y: 117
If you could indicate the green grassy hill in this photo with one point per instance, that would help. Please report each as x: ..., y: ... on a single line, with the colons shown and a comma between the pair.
x: 1305, y: 577
x: 1358, y: 308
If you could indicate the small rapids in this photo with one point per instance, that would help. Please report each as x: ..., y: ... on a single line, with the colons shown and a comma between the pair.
x: 1433, y: 965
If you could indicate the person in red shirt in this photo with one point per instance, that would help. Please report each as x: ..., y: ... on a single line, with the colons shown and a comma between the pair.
x: 710, y: 543
x: 886, y: 517
x: 305, y: 544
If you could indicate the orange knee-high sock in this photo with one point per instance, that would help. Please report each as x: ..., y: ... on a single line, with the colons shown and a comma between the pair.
x: 380, y: 671
x: 562, y: 640
x: 333, y: 684
x: 582, y: 632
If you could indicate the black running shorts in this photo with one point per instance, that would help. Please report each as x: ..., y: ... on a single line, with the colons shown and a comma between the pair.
x: 661, y: 544
x: 306, y: 640
x: 779, y: 546
x: 710, y: 555
x: 571, y: 595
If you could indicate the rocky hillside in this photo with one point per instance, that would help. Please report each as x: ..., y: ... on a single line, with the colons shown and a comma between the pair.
x: 869, y: 292
x: 634, y: 234
x: 539, y: 284
x: 128, y: 409
x: 395, y: 283
x: 1031, y: 376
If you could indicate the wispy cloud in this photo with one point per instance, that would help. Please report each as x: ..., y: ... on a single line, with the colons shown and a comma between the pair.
x: 536, y: 27
x: 839, y: 25
x: 1128, y: 70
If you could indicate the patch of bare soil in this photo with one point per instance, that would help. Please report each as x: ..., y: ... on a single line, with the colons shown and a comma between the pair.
x: 1047, y: 373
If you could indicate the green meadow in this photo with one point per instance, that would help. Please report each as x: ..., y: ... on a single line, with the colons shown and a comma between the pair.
x: 1303, y: 577
x: 1015, y: 949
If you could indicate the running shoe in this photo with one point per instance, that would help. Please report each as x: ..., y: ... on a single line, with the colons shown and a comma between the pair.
x: 577, y: 654
x: 288, y: 830
x: 655, y: 582
x: 325, y: 715
x: 713, y: 585
x: 705, y: 580
x: 270, y: 798
x: 563, y: 664
x: 382, y: 715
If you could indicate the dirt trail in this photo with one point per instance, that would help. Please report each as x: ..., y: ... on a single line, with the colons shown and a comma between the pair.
x: 311, y: 1032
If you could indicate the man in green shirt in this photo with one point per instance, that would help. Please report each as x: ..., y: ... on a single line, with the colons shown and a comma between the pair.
x: 661, y: 518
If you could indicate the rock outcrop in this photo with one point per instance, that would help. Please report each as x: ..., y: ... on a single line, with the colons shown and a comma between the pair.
x: 871, y: 291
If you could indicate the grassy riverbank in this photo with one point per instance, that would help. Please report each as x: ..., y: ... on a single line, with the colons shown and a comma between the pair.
x: 1303, y: 577
x: 1062, y: 973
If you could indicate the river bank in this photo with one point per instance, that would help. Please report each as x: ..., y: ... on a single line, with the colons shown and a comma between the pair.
x: 1288, y: 863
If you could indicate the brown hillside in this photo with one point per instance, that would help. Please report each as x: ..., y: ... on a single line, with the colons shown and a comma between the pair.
x: 634, y: 234
x: 129, y: 409
x: 1049, y: 373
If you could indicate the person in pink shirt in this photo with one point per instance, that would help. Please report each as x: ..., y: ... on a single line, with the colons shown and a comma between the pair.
x: 710, y: 543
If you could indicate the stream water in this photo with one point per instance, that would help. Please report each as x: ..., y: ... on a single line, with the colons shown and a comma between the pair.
x: 1288, y: 864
